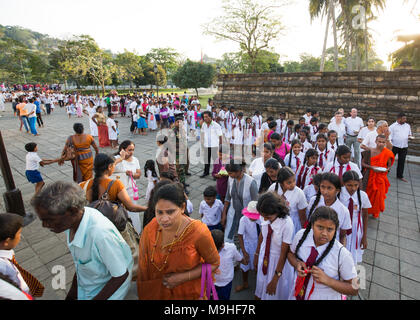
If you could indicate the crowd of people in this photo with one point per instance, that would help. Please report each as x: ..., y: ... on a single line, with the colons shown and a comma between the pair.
x: 290, y: 201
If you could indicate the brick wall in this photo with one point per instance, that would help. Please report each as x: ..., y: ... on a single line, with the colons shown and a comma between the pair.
x: 380, y: 94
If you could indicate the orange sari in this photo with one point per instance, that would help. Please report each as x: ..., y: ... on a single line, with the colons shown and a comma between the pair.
x: 378, y: 183
x: 83, y: 164
x: 195, y: 246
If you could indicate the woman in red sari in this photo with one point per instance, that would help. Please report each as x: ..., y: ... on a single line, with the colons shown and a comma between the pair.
x: 100, y: 120
x: 378, y: 183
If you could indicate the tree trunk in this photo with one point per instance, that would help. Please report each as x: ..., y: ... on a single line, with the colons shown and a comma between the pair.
x: 324, y: 49
x: 196, y: 91
x: 358, y: 64
x: 366, y: 44
x: 334, y: 22
x: 103, y: 88
x: 348, y: 44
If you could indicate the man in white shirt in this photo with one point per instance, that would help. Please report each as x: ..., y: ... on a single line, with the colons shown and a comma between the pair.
x: 211, y: 139
x: 281, y: 123
x: 370, y: 141
x: 400, y: 133
x: 30, y: 108
x: 353, y: 126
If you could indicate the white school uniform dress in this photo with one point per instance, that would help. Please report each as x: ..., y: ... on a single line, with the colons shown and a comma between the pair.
x: 230, y: 117
x: 335, y: 168
x: 111, y: 133
x: 281, y: 124
x: 191, y: 119
x: 229, y: 255
x: 150, y: 183
x: 294, y: 136
x: 238, y: 132
x: 249, y: 138
x: 295, y: 200
x: 307, y: 119
x: 257, y: 121
x: 287, y: 135
x: 282, y: 233
x: 93, y: 126
x: 151, y: 117
x: 314, y: 131
x: 306, y: 146
x: 8, y: 269
x: 293, y: 164
x: 257, y: 167
x: 327, y: 156
x: 221, y: 115
x: 337, y: 262
x: 355, y: 238
x: 306, y: 174
x: 309, y: 192
x: 331, y: 147
x: 249, y: 231
x: 211, y: 215
x: 342, y: 213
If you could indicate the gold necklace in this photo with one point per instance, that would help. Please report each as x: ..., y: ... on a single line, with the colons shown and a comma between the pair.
x: 169, y: 250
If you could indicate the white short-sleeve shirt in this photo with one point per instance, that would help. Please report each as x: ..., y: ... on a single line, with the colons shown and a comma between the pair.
x: 335, y: 168
x: 257, y: 166
x: 228, y: 256
x: 295, y: 199
x: 248, y: 229
x: 32, y: 161
x: 342, y: 213
x: 211, y: 215
x: 338, y: 261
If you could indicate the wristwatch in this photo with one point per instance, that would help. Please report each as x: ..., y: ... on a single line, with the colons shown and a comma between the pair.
x: 278, y: 273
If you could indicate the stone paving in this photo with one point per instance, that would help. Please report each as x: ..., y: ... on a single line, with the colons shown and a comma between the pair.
x: 392, y: 260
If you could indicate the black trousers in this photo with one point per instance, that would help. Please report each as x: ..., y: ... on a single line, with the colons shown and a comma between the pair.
x: 48, y: 107
x: 402, y: 154
x: 210, y: 153
x: 39, y: 119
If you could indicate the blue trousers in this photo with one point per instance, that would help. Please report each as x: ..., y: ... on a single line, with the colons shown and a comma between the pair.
x: 224, y: 292
x: 25, y: 122
x: 32, y: 123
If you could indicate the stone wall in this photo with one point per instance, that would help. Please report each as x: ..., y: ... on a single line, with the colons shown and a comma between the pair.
x: 379, y: 94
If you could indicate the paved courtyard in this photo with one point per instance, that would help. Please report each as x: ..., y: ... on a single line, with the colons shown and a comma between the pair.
x: 392, y: 262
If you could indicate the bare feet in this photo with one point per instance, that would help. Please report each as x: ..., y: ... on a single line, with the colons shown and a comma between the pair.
x: 241, y: 287
x: 402, y: 179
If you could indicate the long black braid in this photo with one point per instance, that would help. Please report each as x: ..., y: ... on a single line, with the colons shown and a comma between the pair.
x: 294, y: 142
x: 324, y: 213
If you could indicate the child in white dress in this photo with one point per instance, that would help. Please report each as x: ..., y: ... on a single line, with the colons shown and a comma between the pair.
x: 112, y: 130
x: 321, y: 263
x: 307, y: 169
x: 151, y: 176
x: 248, y: 233
x: 358, y: 203
x: 274, y: 273
x: 296, y: 157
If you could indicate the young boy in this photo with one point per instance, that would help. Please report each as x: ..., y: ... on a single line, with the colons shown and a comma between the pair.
x: 228, y: 256
x: 33, y: 161
x: 211, y: 209
x: 248, y: 232
x: 10, y: 233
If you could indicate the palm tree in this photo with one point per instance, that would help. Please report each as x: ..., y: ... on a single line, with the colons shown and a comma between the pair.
x: 325, y: 8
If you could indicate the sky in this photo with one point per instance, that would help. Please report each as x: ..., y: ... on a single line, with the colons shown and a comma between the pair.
x: 139, y: 25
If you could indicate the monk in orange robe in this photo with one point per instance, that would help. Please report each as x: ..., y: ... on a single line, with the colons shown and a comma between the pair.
x: 378, y: 183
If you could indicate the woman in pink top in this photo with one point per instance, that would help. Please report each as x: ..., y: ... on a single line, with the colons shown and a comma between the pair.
x: 281, y: 148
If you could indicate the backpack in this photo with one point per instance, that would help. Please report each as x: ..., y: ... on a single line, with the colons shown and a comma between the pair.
x: 113, y: 210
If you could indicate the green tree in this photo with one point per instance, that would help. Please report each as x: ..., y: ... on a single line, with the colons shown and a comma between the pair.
x: 130, y: 66
x: 168, y: 58
x: 194, y: 75
x: 409, y: 52
x: 149, y: 77
x: 248, y: 23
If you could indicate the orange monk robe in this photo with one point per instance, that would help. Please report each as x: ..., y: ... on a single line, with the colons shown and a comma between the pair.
x: 193, y: 247
x: 378, y: 183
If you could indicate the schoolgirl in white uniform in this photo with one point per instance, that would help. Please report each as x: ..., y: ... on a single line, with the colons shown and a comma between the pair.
x: 294, y: 197
x: 274, y: 273
x: 307, y: 169
x: 330, y: 187
x: 249, y: 136
x: 229, y: 117
x: 221, y: 116
x: 324, y: 268
x: 358, y: 203
x: 238, y: 128
x: 332, y: 143
x: 151, y: 119
x: 325, y: 155
x: 257, y: 120
x: 341, y: 163
x: 295, y: 157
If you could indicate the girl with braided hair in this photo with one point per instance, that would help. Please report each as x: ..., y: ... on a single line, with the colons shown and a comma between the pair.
x: 328, y: 195
x: 296, y: 156
x: 358, y: 203
x: 324, y: 267
x: 308, y: 169
x: 341, y: 163
x: 274, y: 273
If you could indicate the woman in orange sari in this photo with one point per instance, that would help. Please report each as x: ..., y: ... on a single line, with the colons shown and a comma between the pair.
x: 83, y: 163
x: 378, y: 183
x: 172, y: 250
